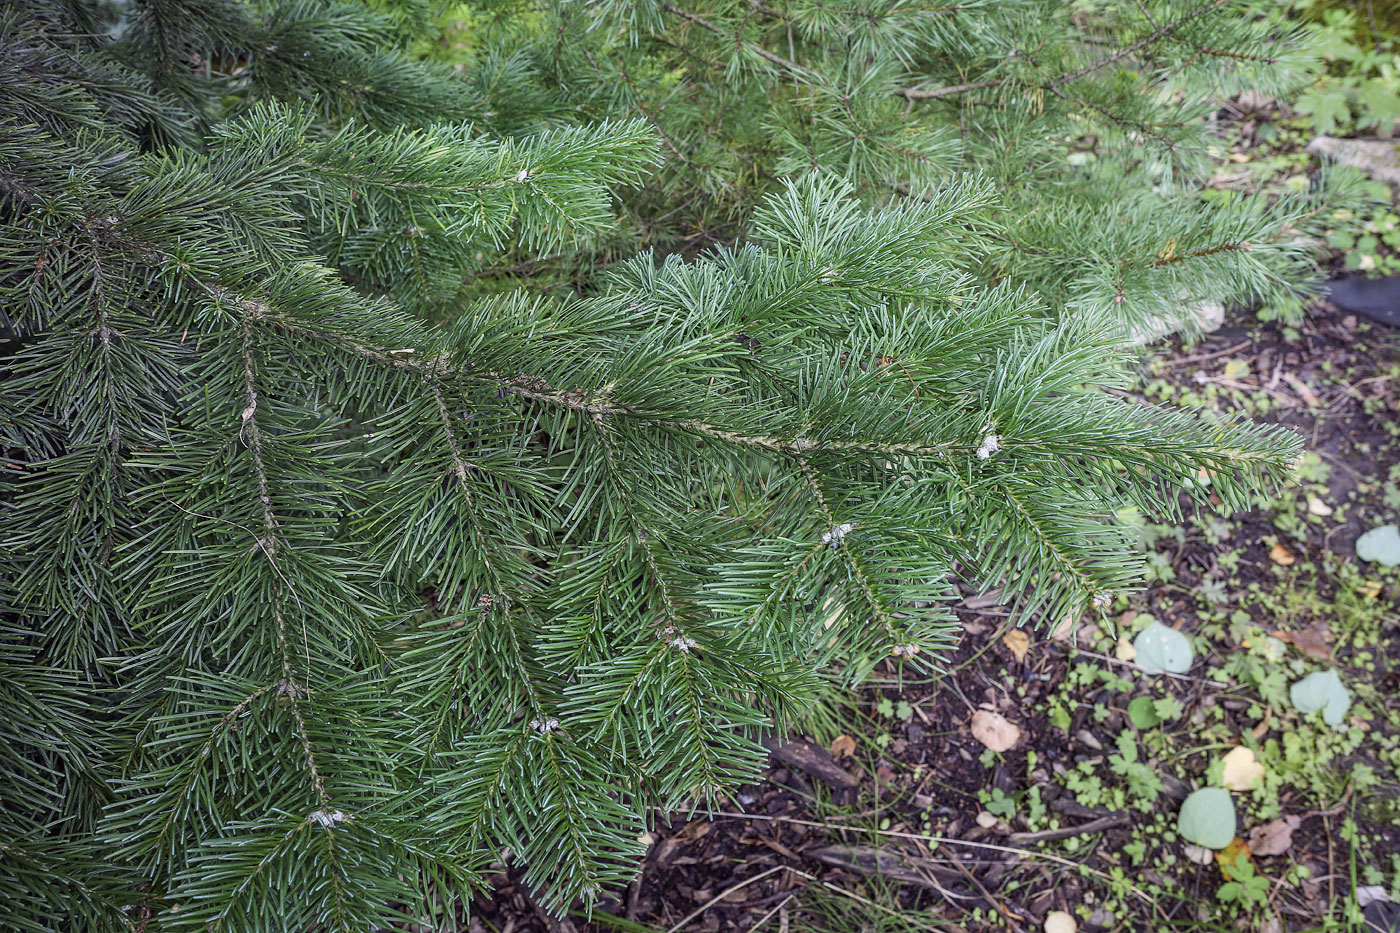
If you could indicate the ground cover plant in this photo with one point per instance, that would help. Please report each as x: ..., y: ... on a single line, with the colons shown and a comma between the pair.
x: 335, y: 568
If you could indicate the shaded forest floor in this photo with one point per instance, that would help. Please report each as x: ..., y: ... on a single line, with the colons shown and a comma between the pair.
x: 890, y: 815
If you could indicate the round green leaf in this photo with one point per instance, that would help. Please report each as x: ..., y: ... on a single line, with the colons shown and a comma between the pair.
x: 1380, y: 545
x: 1161, y: 649
x: 1207, y: 818
x: 1143, y: 712
x: 1321, y: 691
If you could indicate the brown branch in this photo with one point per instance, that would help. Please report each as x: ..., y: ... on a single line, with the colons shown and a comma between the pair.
x: 1197, y: 253
x: 592, y: 403
x: 915, y: 93
x: 738, y: 42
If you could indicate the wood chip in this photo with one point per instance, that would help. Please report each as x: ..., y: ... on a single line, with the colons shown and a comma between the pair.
x: 994, y: 730
x: 813, y: 759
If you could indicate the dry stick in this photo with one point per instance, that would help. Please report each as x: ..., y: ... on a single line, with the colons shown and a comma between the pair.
x: 1093, y: 826
x: 1011, y: 917
x: 725, y: 893
x: 1138, y: 892
x: 1201, y: 358
x: 768, y: 916
x: 760, y: 50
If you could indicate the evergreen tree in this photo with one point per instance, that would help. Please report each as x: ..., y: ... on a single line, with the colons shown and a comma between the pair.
x: 328, y: 572
x: 1094, y: 119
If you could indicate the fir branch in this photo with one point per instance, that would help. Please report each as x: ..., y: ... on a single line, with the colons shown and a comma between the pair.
x: 759, y: 50
x: 1156, y: 35
x: 267, y: 545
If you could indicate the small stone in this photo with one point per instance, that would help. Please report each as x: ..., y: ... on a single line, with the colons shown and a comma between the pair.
x: 1059, y: 921
x: 1198, y: 854
x: 1086, y: 738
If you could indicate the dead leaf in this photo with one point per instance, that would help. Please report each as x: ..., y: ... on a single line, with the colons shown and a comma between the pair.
x: 695, y: 829
x: 1371, y: 589
x: 1274, y: 837
x: 994, y: 730
x: 1317, y: 507
x: 985, y: 600
x: 1065, y: 630
x: 1232, y: 858
x: 1017, y: 642
x: 1308, y: 396
x: 1281, y: 555
x: 1125, y: 650
x: 843, y: 746
x: 1315, y: 640
x: 1241, y: 770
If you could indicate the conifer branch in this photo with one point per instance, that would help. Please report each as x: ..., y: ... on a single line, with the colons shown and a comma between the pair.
x: 1156, y: 35
x: 759, y: 50
x: 251, y: 431
x: 877, y: 609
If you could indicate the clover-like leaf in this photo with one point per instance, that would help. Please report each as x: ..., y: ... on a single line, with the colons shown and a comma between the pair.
x: 1207, y: 818
x: 1143, y: 712
x: 1163, y: 650
x: 1324, y: 691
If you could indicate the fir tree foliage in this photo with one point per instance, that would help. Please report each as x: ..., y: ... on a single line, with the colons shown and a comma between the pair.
x: 326, y: 575
x: 1093, y: 118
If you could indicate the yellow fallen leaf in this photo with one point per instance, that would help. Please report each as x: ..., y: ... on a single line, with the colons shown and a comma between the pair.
x: 1371, y: 589
x: 1317, y: 507
x: 1281, y: 555
x: 1065, y: 630
x: 1017, y: 642
x: 1125, y: 649
x: 1233, y: 858
x: 1241, y: 769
